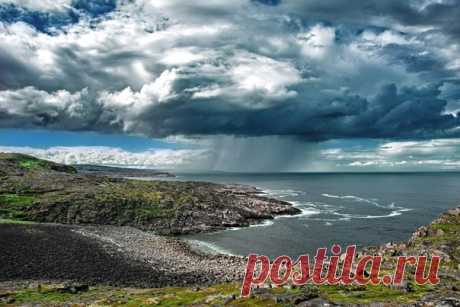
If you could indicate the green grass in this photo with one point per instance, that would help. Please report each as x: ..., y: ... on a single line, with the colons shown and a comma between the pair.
x: 12, y: 206
x: 16, y: 200
x: 213, y: 295
x: 369, y: 294
x: 30, y: 164
x: 34, y: 295
x: 25, y: 161
x: 9, y: 221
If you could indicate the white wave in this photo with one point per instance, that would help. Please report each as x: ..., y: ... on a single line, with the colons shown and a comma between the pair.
x: 282, y: 193
x: 308, y: 209
x: 346, y: 216
x: 356, y: 198
x: 372, y: 201
x: 208, y: 248
x: 265, y: 223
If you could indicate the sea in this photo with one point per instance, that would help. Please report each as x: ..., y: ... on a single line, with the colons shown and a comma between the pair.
x: 363, y: 209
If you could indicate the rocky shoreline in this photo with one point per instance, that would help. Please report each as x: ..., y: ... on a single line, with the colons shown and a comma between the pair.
x: 72, y: 257
x: 42, y: 191
x: 52, y: 211
x: 111, y: 255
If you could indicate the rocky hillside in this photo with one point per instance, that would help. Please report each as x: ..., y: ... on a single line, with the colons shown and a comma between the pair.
x: 42, y: 191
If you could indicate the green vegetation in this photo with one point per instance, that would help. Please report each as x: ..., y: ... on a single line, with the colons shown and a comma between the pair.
x: 16, y: 200
x: 53, y: 295
x: 7, y: 221
x: 369, y: 294
x: 12, y: 206
x: 214, y: 295
x: 29, y: 163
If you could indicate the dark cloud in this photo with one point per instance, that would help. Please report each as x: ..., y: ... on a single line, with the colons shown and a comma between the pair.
x: 268, y: 2
x: 42, y: 21
x: 50, y: 21
x: 441, y: 15
x: 314, y: 70
x: 94, y: 8
x: 407, y: 112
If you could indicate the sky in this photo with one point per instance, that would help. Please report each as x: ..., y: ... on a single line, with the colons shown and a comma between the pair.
x: 243, y: 85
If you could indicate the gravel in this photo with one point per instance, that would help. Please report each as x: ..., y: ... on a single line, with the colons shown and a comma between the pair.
x: 169, y: 255
x: 118, y: 256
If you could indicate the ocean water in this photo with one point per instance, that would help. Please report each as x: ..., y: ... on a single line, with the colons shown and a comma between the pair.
x: 361, y: 209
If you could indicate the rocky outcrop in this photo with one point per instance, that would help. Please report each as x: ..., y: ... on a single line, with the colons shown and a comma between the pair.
x: 440, y: 238
x: 41, y: 191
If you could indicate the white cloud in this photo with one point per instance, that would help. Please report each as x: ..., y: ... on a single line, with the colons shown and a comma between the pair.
x: 30, y: 101
x: 182, y: 56
x: 158, y: 158
x: 317, y: 41
x: 257, y: 73
x: 211, y: 59
x: 432, y: 155
x: 384, y: 38
x: 155, y: 92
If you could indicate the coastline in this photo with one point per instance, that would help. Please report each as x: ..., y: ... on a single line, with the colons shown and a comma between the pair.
x: 102, y: 238
x: 151, y: 264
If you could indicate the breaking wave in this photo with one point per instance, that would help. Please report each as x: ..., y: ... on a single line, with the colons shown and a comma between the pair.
x: 282, y: 193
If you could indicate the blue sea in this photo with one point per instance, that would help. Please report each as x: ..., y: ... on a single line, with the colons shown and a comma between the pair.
x: 362, y: 209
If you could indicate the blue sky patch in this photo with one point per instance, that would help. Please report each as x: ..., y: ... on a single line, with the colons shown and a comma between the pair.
x: 45, y: 139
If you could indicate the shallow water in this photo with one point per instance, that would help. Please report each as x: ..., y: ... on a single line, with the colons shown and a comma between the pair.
x: 361, y: 209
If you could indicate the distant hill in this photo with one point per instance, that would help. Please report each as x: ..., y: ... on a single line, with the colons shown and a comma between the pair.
x: 119, y: 171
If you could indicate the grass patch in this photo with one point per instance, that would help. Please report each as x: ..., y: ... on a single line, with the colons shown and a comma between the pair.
x: 16, y: 200
x: 213, y: 295
x: 30, y: 164
x: 370, y: 294
x: 35, y: 296
x: 18, y: 222
x: 12, y: 206
x: 447, y: 228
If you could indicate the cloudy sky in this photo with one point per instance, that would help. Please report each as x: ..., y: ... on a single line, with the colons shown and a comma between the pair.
x: 242, y: 85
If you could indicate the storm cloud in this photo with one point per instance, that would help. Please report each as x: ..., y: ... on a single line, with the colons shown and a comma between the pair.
x: 312, y: 70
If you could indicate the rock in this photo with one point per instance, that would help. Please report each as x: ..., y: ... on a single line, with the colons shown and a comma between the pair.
x: 403, y: 286
x: 449, y: 302
x: 230, y: 299
x: 317, y: 302
x: 6, y: 298
x: 152, y: 301
x: 306, y: 293
x: 454, y: 211
x: 435, y: 232
x: 73, y: 288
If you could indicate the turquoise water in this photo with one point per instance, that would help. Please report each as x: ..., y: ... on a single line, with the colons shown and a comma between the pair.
x: 361, y: 209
